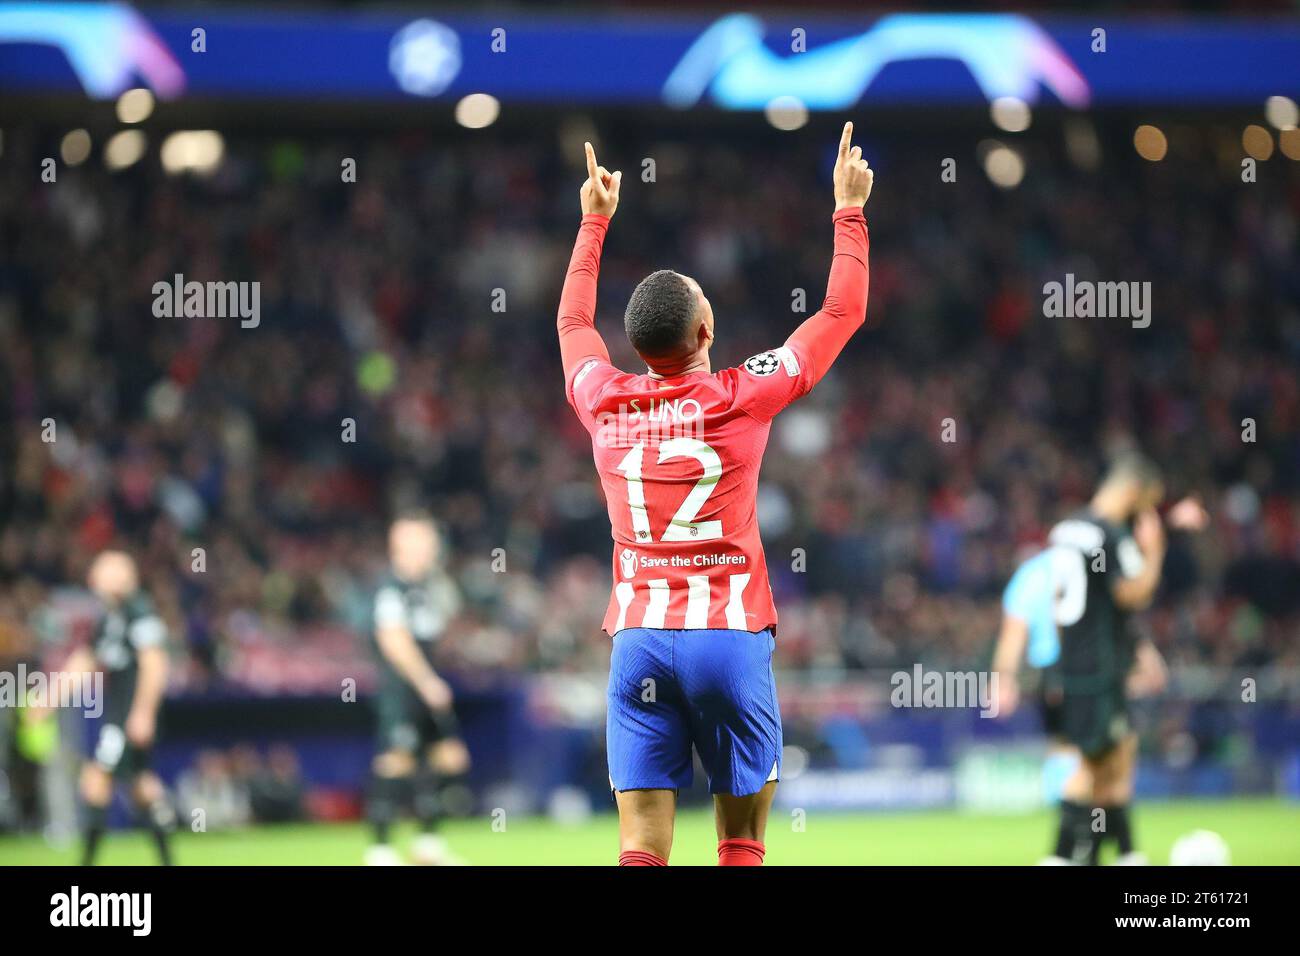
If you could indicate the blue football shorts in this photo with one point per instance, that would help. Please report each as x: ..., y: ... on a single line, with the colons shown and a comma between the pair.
x: 710, y: 689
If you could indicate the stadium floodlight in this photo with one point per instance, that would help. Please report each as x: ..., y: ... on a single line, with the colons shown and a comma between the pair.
x: 1282, y: 112
x: 1010, y: 114
x: 135, y: 106
x: 1289, y: 142
x: 787, y: 113
x: 75, y: 147
x: 478, y: 110
x: 1257, y: 142
x: 1150, y: 143
x: 124, y: 149
x: 197, y: 151
x: 1004, y: 166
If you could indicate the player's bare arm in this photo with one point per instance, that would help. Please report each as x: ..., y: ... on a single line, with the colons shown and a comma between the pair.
x: 151, y: 682
x: 1137, y: 592
x: 81, y: 662
x: 1150, y: 674
x: 1188, y: 514
x: 400, y: 649
x: 1010, y: 651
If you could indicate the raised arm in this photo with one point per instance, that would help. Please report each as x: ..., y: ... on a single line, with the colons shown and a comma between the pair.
x: 1135, y: 592
x: 576, y: 323
x: 822, y: 336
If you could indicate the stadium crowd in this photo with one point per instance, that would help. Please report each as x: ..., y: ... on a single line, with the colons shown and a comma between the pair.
x: 418, y: 305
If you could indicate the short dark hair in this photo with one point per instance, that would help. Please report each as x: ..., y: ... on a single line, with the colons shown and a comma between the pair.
x: 659, y: 313
x: 1134, y: 466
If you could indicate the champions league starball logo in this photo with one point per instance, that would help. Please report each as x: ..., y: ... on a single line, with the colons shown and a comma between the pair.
x: 424, y: 57
x: 764, y: 364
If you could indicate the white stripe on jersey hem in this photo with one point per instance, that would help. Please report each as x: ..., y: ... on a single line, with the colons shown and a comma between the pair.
x: 623, y: 592
x: 697, y: 602
x: 736, y: 603
x: 656, y: 612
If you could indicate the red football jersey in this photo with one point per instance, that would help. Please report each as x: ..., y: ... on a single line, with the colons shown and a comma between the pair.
x: 679, y: 457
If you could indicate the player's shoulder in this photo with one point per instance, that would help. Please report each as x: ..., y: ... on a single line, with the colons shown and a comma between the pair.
x: 443, y: 583
x: 390, y: 582
x: 772, y: 362
x: 139, y: 605
x: 389, y: 588
x: 389, y: 607
x: 1036, y: 564
x: 144, y: 625
x: 594, y: 369
x: 759, y: 372
x: 595, y: 378
x: 1028, y: 573
x: 1110, y: 531
x: 1081, y: 529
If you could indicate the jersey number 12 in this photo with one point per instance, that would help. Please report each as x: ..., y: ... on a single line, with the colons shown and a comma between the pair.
x: 683, y: 526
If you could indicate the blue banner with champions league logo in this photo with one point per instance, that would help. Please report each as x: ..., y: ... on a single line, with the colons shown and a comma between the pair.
x: 730, y: 61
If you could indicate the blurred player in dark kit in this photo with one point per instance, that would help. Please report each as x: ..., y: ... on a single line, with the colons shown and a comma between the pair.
x: 130, y: 646
x: 1102, y: 564
x: 420, y: 756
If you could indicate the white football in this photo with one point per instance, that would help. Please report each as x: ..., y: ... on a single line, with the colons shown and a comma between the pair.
x: 1200, y: 848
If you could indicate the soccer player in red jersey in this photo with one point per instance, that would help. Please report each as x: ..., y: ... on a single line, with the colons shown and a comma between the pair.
x: 678, y: 448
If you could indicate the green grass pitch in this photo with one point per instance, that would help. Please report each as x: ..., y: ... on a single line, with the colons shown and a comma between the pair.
x: 1258, y: 832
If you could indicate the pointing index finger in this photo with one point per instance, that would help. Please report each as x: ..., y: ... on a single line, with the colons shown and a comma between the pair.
x: 591, y: 162
x: 845, y: 137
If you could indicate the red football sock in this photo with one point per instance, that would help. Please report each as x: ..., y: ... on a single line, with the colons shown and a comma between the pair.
x: 740, y: 853
x: 639, y: 858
